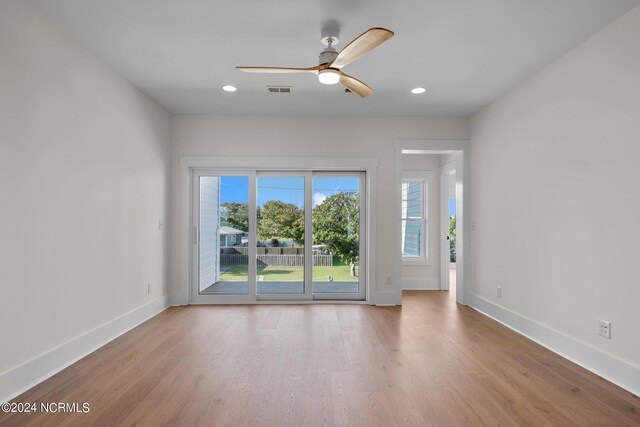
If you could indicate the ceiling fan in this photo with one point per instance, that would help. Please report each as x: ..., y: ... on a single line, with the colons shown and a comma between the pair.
x: 331, y: 62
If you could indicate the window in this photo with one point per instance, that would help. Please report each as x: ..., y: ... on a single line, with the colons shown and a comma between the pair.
x: 303, y: 228
x: 415, y: 217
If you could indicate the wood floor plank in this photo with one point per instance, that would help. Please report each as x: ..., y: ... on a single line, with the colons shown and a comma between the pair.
x: 430, y: 362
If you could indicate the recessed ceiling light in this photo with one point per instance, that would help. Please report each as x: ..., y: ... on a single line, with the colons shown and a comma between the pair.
x: 418, y: 90
x: 229, y: 88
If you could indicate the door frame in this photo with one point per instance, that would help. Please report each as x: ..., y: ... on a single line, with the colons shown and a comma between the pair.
x: 463, y: 207
x: 446, y: 171
x: 249, y: 165
x: 194, y: 294
x: 361, y: 295
x: 308, y: 260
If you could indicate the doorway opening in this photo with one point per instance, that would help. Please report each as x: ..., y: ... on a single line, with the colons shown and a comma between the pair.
x: 431, y: 178
x: 448, y: 226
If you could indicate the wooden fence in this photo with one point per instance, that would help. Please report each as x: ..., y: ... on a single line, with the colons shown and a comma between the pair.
x: 261, y: 250
x: 277, y: 260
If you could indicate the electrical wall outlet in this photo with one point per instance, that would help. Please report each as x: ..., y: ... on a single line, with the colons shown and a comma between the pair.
x: 499, y: 292
x: 604, y: 329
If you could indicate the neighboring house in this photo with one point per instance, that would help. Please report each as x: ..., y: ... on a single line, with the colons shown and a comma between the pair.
x: 230, y: 236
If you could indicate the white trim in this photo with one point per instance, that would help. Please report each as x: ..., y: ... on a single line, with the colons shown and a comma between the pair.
x: 398, y: 221
x: 608, y: 366
x: 433, y: 146
x: 463, y: 209
x: 285, y: 302
x: 19, y: 379
x: 252, y: 243
x: 421, y: 284
x: 388, y: 298
x: 307, y: 280
x: 426, y: 177
x: 370, y: 193
x: 279, y: 163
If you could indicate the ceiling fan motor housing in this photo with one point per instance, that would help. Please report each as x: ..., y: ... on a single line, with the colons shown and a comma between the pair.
x: 329, y: 38
x: 327, y: 55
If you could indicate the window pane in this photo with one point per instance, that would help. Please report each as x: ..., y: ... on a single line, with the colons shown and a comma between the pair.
x: 336, y: 234
x: 224, y: 232
x: 412, y: 237
x: 280, y: 244
x: 412, y: 201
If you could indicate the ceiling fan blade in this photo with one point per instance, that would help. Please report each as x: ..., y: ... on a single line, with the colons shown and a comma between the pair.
x: 362, y: 44
x: 313, y: 70
x: 355, y: 85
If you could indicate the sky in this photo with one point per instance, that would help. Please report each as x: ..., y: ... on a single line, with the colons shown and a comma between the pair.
x: 234, y: 189
x: 288, y: 189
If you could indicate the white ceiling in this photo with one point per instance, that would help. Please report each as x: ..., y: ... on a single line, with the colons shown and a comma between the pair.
x: 465, y: 52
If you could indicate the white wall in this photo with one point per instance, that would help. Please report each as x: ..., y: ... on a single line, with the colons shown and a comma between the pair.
x: 556, y: 184
x: 84, y: 161
x: 426, y: 276
x: 312, y: 137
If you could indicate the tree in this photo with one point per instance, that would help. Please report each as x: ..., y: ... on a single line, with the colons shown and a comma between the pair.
x: 336, y: 224
x: 237, y: 215
x: 281, y: 220
x: 452, y: 238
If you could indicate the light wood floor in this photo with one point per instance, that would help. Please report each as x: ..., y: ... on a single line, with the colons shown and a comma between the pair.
x: 430, y: 362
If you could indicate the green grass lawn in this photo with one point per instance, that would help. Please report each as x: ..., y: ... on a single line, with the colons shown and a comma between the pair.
x: 274, y: 273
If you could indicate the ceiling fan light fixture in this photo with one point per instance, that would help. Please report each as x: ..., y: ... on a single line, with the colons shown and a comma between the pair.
x: 329, y: 76
x: 418, y: 90
x: 329, y: 70
x: 229, y: 88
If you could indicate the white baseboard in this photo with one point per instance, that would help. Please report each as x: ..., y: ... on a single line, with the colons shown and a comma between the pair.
x: 17, y: 380
x: 385, y: 298
x: 421, y: 284
x: 609, y: 367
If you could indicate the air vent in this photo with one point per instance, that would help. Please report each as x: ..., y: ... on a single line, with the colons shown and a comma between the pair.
x: 279, y: 89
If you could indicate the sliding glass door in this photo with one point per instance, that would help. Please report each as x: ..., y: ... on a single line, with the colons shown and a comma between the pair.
x: 221, y: 233
x: 338, y: 224
x: 265, y: 235
x: 280, y: 247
